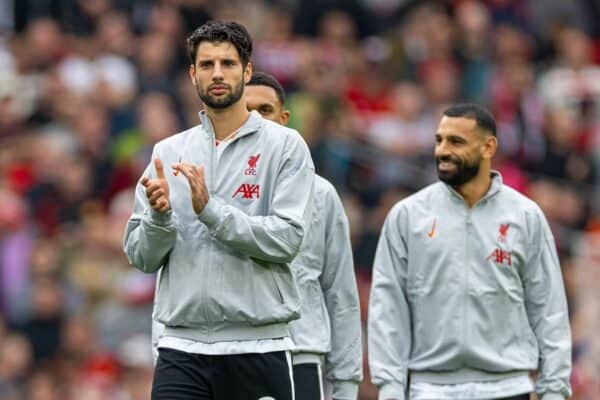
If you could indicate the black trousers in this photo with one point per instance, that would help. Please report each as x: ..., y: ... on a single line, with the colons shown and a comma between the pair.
x: 519, y: 397
x: 184, y: 376
x: 308, y: 383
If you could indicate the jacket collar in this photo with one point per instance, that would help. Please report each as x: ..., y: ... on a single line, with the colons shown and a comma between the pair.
x: 495, y: 187
x: 252, y: 124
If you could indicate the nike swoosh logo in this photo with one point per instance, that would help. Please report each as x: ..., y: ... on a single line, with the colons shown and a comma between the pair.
x: 432, y: 232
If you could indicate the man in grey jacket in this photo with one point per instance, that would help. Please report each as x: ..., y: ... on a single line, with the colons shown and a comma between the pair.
x: 223, y: 227
x: 467, y: 296
x: 329, y: 327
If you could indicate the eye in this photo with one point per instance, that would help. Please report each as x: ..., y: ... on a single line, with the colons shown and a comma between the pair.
x: 265, y: 110
x: 205, y: 64
x: 229, y: 63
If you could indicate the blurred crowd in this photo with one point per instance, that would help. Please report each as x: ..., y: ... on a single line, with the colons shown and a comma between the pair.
x: 88, y: 86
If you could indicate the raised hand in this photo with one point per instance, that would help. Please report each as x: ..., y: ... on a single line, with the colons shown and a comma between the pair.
x: 195, y: 177
x: 157, y: 190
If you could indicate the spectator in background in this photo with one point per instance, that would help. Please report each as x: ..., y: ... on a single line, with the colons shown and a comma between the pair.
x: 16, y: 361
x: 573, y: 81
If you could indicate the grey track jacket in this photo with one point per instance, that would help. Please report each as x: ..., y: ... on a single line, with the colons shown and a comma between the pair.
x: 329, y: 321
x: 463, y: 295
x: 226, y: 272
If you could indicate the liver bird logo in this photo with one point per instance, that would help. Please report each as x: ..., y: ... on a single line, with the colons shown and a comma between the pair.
x: 503, y: 231
x: 253, y: 160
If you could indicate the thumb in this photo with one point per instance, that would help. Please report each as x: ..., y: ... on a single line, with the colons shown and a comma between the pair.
x: 160, y: 173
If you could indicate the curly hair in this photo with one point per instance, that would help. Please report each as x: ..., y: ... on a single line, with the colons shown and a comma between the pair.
x: 220, y: 31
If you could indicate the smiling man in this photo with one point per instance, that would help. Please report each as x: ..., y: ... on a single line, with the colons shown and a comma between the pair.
x: 467, y: 296
x: 328, y: 332
x: 222, y: 228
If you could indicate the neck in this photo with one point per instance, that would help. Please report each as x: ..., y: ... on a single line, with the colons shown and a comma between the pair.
x: 475, y: 189
x: 228, y: 120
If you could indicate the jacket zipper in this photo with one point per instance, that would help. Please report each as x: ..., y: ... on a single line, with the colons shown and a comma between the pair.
x: 469, y: 223
x: 210, y: 187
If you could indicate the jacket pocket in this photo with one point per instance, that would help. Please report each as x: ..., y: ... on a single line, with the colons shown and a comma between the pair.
x: 276, y: 289
x: 496, y: 327
x: 249, y: 292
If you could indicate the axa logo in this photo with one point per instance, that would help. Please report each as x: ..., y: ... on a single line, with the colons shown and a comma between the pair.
x: 251, y: 170
x: 248, y: 191
x: 500, y: 256
x: 503, y: 231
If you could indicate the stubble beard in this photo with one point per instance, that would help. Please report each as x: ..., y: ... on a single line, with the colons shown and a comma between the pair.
x: 223, y: 102
x: 464, y: 172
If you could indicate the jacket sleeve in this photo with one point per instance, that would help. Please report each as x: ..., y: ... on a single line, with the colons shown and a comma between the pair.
x: 276, y: 237
x: 338, y: 282
x: 389, y: 326
x: 149, y: 235
x: 546, y: 306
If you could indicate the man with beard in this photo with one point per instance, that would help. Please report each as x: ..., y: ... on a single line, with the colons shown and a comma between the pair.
x: 467, y: 296
x: 328, y: 332
x: 222, y: 228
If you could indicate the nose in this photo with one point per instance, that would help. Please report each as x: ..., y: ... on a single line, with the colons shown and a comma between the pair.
x: 441, y: 149
x: 217, y: 72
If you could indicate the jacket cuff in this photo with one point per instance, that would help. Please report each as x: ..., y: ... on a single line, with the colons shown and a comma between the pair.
x: 552, y: 396
x: 210, y: 214
x: 344, y: 390
x: 160, y: 218
x: 391, y: 391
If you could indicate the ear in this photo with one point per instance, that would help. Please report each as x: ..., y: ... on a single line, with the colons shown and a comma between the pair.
x: 285, y: 117
x: 248, y: 72
x: 490, y: 145
x: 192, y: 73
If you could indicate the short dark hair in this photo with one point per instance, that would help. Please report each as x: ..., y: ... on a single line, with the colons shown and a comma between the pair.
x: 264, y: 79
x: 220, y: 31
x: 484, y: 119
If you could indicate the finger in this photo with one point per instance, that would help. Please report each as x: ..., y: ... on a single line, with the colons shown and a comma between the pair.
x: 145, y: 181
x: 184, y: 169
x: 160, y: 173
x: 161, y: 204
x: 164, y: 206
x: 156, y: 195
x: 151, y: 188
x: 176, y: 169
x: 200, y: 171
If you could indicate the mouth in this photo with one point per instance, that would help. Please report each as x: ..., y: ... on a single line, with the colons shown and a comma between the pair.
x: 217, y: 90
x: 446, y: 165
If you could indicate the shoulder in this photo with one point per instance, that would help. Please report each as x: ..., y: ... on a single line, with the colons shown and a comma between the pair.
x: 324, y: 187
x: 525, y: 211
x: 177, y: 140
x: 519, y: 202
x: 426, y: 195
x: 418, y: 203
x: 277, y: 133
x: 325, y: 196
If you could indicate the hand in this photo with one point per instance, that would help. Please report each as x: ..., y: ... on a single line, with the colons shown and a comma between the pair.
x: 157, y: 190
x: 195, y: 177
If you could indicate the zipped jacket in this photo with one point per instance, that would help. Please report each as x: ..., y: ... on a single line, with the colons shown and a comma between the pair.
x: 226, y: 272
x: 465, y: 294
x: 329, y: 324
